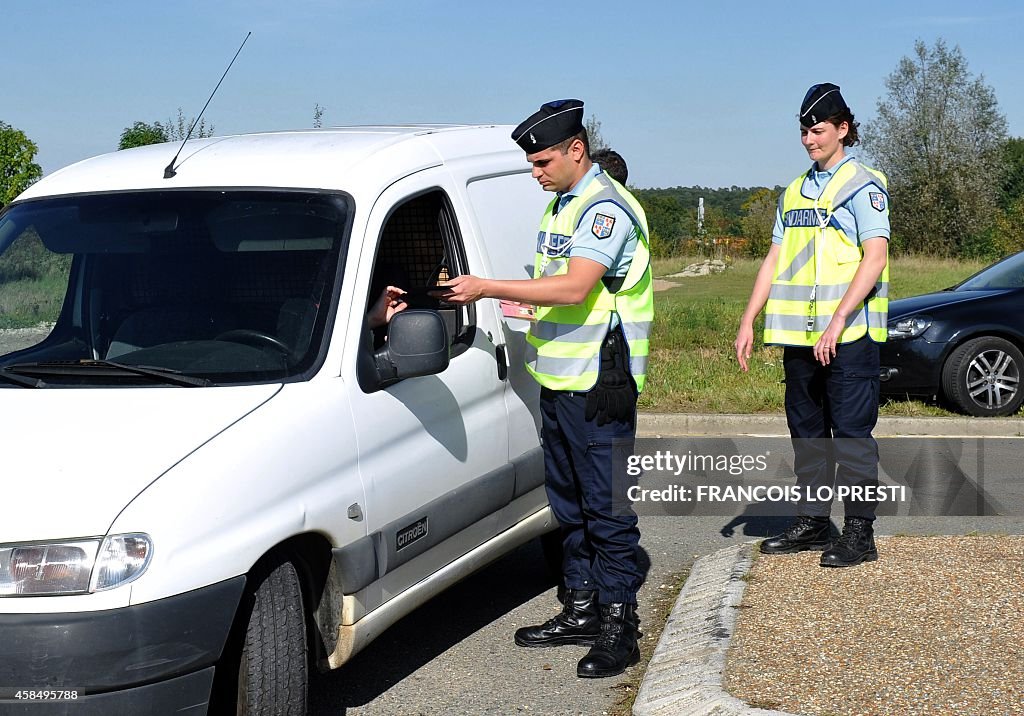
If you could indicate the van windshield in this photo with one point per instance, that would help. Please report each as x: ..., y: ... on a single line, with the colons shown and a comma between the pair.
x: 157, y: 287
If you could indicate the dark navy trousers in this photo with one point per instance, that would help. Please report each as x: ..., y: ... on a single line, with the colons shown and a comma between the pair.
x: 831, y: 411
x: 601, y: 545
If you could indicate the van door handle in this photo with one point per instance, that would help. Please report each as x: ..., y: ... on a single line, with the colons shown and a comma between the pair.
x: 499, y: 355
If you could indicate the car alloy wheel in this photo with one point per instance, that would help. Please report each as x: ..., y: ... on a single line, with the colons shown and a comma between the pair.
x: 982, y: 377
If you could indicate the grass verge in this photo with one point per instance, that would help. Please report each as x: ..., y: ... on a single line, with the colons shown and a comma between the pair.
x: 662, y: 601
x: 693, y: 364
x: 27, y: 302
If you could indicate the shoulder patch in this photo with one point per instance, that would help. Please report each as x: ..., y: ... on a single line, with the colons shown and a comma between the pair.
x: 602, y: 227
x: 877, y: 200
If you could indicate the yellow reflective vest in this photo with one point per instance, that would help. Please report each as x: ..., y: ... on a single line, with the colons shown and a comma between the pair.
x: 564, y: 342
x: 817, y: 262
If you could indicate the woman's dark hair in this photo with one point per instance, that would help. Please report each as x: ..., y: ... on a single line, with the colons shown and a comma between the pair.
x: 612, y: 163
x: 846, y: 115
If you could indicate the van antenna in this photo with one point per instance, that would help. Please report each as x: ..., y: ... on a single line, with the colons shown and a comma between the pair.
x: 169, y: 170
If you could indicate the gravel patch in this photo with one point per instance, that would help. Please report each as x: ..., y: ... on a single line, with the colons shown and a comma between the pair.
x: 14, y: 339
x: 934, y: 626
x: 701, y: 268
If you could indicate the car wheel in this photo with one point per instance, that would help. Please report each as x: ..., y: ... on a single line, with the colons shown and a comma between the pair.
x: 982, y: 377
x: 273, y: 669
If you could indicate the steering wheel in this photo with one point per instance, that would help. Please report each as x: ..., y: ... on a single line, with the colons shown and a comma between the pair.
x: 256, y: 339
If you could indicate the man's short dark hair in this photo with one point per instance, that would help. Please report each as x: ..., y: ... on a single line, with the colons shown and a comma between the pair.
x: 564, y: 145
x: 612, y: 163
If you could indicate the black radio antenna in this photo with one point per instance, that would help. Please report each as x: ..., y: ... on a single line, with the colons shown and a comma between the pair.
x: 169, y: 170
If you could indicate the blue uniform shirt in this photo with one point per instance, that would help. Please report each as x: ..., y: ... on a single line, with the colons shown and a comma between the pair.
x: 856, y: 217
x: 615, y: 251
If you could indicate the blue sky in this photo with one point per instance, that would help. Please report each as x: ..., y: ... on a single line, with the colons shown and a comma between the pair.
x: 690, y: 93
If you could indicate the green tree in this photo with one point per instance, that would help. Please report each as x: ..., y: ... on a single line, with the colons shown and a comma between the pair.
x: 665, y: 217
x: 140, y: 134
x: 1008, y: 234
x: 1013, y: 172
x: 758, y: 220
x: 177, y: 128
x: 318, y: 116
x: 593, y: 127
x: 18, y: 169
x: 938, y: 134
x: 717, y: 222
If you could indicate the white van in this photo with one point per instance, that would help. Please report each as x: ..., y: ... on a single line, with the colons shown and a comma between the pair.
x: 215, y: 475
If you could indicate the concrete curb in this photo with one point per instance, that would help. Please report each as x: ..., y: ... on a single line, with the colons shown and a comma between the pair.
x: 685, y: 674
x: 651, y: 425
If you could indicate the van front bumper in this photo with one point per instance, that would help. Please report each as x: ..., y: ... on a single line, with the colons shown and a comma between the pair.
x: 153, y: 658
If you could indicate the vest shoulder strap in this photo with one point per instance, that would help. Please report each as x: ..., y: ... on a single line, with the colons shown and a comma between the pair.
x: 860, y: 177
x: 606, y: 191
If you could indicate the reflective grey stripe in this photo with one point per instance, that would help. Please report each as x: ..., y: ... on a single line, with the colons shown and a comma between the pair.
x: 799, y: 261
x: 860, y: 318
x: 530, y: 354
x: 569, y: 333
x: 638, y: 365
x: 639, y: 329
x: 860, y: 179
x: 553, y: 267
x: 878, y: 319
x: 782, y: 322
x: 565, y: 367
x: 792, y: 292
x: 831, y: 292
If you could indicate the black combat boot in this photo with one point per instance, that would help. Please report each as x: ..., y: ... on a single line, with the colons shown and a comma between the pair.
x: 616, y: 647
x: 805, y: 533
x: 578, y: 623
x: 855, y: 545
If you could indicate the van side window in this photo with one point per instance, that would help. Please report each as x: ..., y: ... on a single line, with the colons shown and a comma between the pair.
x: 420, y: 246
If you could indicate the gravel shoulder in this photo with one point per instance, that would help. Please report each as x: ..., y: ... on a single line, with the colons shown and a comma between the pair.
x: 14, y: 339
x: 933, y: 627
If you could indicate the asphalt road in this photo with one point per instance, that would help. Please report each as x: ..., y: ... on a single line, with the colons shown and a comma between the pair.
x: 455, y: 655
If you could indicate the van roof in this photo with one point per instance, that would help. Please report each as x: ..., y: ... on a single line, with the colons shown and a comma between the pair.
x: 352, y: 159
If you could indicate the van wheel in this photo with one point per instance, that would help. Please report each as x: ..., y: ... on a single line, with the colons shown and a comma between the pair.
x: 273, y: 670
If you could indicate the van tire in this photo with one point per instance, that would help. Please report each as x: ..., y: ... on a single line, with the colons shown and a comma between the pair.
x: 273, y: 670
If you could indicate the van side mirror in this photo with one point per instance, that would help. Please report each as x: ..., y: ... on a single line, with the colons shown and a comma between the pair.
x: 417, y: 345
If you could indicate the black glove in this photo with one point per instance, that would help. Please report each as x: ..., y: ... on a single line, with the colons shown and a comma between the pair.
x: 613, y: 398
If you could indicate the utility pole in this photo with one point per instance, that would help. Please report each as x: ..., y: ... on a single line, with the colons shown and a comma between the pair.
x: 700, y: 224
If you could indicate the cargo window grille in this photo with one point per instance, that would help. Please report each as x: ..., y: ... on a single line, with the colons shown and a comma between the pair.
x: 420, y: 245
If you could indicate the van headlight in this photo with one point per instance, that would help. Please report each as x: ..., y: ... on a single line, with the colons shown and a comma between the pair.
x: 122, y: 559
x: 72, y: 566
x: 910, y: 327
